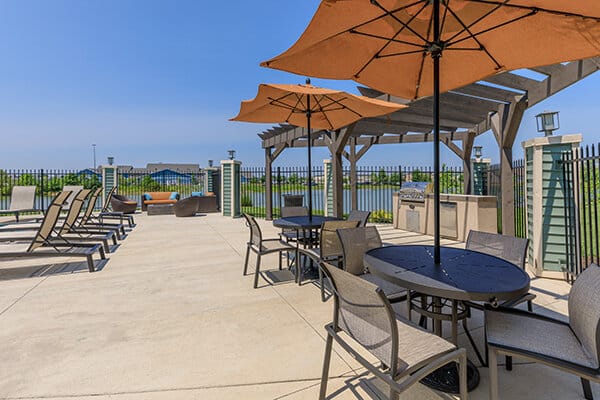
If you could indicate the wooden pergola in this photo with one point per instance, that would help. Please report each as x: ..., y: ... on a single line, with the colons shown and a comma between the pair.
x: 495, y: 104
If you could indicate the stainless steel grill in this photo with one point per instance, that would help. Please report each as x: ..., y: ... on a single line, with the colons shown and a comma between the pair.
x: 414, y: 191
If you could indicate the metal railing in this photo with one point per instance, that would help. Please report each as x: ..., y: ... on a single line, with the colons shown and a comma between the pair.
x: 134, y: 184
x: 48, y: 183
x: 581, y: 175
x: 374, y: 187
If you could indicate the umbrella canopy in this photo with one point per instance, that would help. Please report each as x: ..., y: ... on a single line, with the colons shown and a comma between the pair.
x: 384, y: 44
x: 415, y: 48
x: 310, y: 106
x: 329, y: 109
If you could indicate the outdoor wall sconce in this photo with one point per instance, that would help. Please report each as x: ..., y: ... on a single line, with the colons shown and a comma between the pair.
x: 111, y: 160
x: 477, y: 151
x: 231, y: 154
x: 547, y: 122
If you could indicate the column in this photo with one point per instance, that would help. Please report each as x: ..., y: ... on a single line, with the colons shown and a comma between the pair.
x: 230, y: 188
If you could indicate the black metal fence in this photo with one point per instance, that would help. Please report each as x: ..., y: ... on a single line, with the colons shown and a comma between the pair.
x: 375, y: 186
x: 48, y: 183
x: 134, y: 184
x: 581, y: 175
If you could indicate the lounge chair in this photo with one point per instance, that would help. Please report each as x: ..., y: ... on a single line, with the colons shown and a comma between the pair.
x: 120, y: 215
x: 74, y: 189
x: 406, y: 352
x: 22, y: 199
x: 67, y: 232
x: 86, y: 224
x: 42, y: 242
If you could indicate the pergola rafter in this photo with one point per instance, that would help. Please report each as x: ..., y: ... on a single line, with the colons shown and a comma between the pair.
x: 497, y: 103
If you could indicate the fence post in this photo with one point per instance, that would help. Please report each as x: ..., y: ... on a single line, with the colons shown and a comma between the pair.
x: 479, y: 170
x: 544, y: 201
x: 231, y: 181
x: 208, y: 179
x: 327, y: 188
x: 109, y: 180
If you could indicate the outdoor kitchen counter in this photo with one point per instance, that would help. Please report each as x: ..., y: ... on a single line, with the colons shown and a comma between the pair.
x: 459, y: 214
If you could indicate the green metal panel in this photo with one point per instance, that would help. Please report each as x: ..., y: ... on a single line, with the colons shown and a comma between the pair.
x: 529, y: 191
x: 209, y: 181
x: 329, y: 183
x: 237, y: 182
x: 553, y: 212
x: 109, y: 180
x: 479, y: 178
x: 226, y: 190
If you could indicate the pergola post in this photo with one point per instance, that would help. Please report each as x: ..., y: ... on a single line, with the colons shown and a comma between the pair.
x: 269, y: 158
x: 505, y: 125
x: 336, y: 146
x: 268, y: 185
x: 467, y: 145
x: 353, y: 175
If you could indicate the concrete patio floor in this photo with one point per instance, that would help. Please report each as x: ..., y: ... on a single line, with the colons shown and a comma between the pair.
x: 170, y: 316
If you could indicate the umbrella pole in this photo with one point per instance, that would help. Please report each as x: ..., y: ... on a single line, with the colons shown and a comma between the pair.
x: 310, y: 210
x: 436, y: 53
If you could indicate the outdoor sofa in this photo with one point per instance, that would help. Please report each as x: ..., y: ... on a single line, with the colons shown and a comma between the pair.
x: 158, y: 198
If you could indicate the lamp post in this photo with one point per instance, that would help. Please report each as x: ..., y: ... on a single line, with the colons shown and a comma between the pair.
x: 231, y: 154
x: 94, y: 153
x: 477, y: 152
x: 210, y: 163
x: 111, y: 160
x: 547, y: 122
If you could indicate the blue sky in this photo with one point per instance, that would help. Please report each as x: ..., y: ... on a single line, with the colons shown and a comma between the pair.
x: 157, y: 81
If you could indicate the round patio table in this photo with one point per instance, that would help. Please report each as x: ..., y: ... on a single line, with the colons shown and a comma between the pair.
x: 301, y: 223
x: 462, y: 275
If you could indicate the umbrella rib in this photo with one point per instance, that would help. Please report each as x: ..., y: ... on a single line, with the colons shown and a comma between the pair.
x: 344, y: 106
x: 404, y: 53
x: 492, y: 28
x: 420, y: 75
x: 404, y: 25
x: 475, y: 22
x: 444, y: 16
x: 385, y: 38
x: 536, y: 9
x: 482, y: 47
x: 318, y: 102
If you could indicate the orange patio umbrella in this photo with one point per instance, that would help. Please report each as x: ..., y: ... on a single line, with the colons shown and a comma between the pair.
x: 416, y: 48
x: 310, y: 107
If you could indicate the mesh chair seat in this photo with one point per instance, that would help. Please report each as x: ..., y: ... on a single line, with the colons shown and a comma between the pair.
x: 540, y: 336
x: 268, y: 246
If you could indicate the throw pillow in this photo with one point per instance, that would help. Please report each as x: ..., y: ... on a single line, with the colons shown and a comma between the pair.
x: 197, y: 194
x: 174, y: 196
x: 147, y: 196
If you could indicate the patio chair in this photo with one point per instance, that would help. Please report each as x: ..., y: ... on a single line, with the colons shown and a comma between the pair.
x: 187, y: 207
x: 572, y: 346
x: 407, y: 352
x: 355, y: 243
x: 105, y: 213
x: 261, y: 246
x: 38, y: 248
x: 330, y: 248
x: 22, y: 199
x: 509, y: 248
x: 361, y: 216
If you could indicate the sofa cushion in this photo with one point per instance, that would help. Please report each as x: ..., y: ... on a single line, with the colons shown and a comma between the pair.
x: 160, y: 195
x: 174, y: 196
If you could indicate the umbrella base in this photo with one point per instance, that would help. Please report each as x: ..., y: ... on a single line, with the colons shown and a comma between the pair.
x: 445, y: 379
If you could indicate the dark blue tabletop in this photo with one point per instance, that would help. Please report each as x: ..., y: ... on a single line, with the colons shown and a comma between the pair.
x: 461, y: 275
x: 302, y: 222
